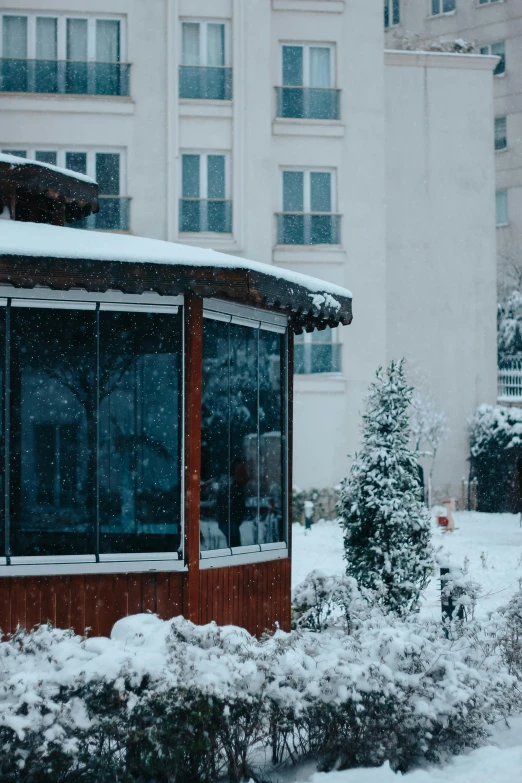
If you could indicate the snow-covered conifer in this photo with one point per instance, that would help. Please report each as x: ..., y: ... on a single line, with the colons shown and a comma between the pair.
x: 387, y: 527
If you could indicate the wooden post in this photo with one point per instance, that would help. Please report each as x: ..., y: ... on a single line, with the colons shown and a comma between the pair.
x: 290, y: 446
x: 193, y: 337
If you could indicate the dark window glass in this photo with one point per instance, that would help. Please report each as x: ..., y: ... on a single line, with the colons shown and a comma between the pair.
x: 53, y: 431
x: 190, y: 176
x: 292, y: 66
x: 2, y: 429
x: 241, y: 452
x: 46, y: 157
x: 76, y: 161
x: 16, y: 153
x: 108, y: 173
x: 139, y: 465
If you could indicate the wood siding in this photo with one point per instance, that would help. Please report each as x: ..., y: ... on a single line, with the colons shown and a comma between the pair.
x: 255, y: 596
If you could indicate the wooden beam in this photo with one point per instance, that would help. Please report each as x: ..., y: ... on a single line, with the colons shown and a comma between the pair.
x: 193, y: 337
x: 289, y: 434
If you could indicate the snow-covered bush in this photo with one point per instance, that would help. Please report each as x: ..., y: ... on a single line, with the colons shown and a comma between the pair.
x: 321, y: 601
x: 170, y: 701
x: 510, y: 329
x: 511, y: 635
x: 387, y: 528
x: 412, y: 42
x: 495, y: 427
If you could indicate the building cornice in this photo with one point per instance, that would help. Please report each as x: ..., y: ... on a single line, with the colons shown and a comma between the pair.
x: 477, y: 62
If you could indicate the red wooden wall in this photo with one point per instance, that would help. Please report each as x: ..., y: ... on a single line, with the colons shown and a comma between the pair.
x: 253, y: 596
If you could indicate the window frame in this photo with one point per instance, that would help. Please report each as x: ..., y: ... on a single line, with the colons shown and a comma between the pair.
x: 306, y: 46
x: 203, y: 172
x: 203, y: 25
x: 61, y: 23
x: 489, y: 53
x: 308, y: 343
x: 498, y: 192
x: 441, y: 12
x: 307, y: 189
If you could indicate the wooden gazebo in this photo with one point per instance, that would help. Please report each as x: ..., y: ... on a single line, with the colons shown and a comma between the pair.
x: 146, y: 421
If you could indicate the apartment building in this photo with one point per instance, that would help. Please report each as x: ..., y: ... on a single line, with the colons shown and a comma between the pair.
x: 280, y: 131
x: 495, y: 27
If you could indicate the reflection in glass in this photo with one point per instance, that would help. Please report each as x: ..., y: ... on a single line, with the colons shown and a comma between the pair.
x: 139, y: 399
x: 241, y: 450
x: 53, y: 431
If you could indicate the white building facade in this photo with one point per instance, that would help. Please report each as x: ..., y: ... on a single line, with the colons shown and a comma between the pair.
x: 280, y: 131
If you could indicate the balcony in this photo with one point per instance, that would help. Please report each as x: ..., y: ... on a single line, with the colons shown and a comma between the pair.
x: 315, y: 358
x: 308, y: 103
x: 205, y: 83
x: 198, y: 215
x: 510, y: 382
x: 64, y: 77
x: 300, y: 228
x: 112, y: 216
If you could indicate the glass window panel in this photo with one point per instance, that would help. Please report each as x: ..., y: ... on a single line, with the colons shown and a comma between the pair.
x: 271, y: 516
x: 448, y: 6
x: 76, y: 161
x: 44, y: 156
x: 386, y: 13
x: 320, y: 191
x: 501, y: 198
x: 293, y: 191
x: 215, y: 44
x: 139, y: 473
x: 215, y: 445
x: 46, y: 38
x: 216, y: 176
x: 292, y: 66
x: 500, y: 133
x: 14, y: 37
x: 53, y: 431
x: 499, y: 49
x: 77, y: 39
x: 16, y: 153
x: 190, y: 43
x: 107, y: 40
x: 108, y: 173
x: 190, y: 176
x: 396, y: 11
x: 319, y: 66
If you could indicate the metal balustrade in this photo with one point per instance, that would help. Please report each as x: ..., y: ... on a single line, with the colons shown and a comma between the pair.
x: 308, y: 103
x: 69, y: 77
x: 510, y: 382
x: 113, y: 215
x: 210, y: 83
x: 198, y: 215
x: 300, y: 228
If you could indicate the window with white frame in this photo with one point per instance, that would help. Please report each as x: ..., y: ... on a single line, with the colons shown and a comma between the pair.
x: 498, y: 49
x: 51, y: 53
x: 205, y: 71
x: 486, y: 2
x: 500, y: 133
x: 317, y: 352
x: 392, y: 12
x: 106, y: 167
x: 439, y: 7
x: 308, y: 81
x: 308, y: 215
x: 501, y: 201
x: 205, y: 204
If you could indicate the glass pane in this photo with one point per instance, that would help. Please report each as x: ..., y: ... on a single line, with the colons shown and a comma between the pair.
x: 46, y: 38
x: 76, y: 39
x: 320, y: 191
x: 107, y: 40
x: 76, y: 161
x: 299, y: 358
x: 292, y: 66
x: 499, y: 49
x: 293, y: 191
x: 319, y: 66
x: 53, y: 431
x: 216, y: 176
x: 501, y: 198
x: 190, y: 176
x: 215, y: 44
x: 215, y: 436
x: 243, y: 466
x: 322, y: 358
x: 16, y: 153
x: 190, y: 43
x: 271, y: 517
x: 500, y: 133
x: 139, y: 473
x: 435, y: 7
x: 386, y: 13
x: 448, y: 6
x: 45, y: 157
x: 108, y: 173
x: 396, y: 11
x: 14, y: 37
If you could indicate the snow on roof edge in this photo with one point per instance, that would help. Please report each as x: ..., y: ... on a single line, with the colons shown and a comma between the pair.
x: 14, y: 160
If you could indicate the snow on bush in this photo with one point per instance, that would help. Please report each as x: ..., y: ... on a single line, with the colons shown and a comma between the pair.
x: 170, y: 701
x: 494, y: 427
x: 510, y: 329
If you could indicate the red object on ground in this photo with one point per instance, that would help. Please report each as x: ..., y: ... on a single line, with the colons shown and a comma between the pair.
x: 443, y: 521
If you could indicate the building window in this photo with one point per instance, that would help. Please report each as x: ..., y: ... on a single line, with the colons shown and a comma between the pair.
x: 498, y: 49
x: 62, y: 54
x: 205, y: 204
x: 484, y: 2
x: 205, y: 71
x: 308, y: 83
x: 501, y: 198
x: 439, y: 7
x: 500, y: 133
x: 392, y: 12
x: 242, y: 435
x: 319, y: 352
x: 95, y: 433
x: 308, y: 216
x: 108, y: 171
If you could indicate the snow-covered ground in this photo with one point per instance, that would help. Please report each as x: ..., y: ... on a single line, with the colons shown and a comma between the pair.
x: 489, y: 548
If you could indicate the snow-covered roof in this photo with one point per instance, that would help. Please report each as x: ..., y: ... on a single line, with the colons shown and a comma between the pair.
x: 14, y: 160
x: 293, y: 291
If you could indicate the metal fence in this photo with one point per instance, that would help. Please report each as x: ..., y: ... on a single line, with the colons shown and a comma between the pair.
x: 510, y: 382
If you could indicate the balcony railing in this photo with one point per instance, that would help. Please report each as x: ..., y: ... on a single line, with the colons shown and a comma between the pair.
x: 64, y: 77
x: 197, y: 215
x: 206, y: 83
x: 300, y: 228
x: 112, y: 216
x: 308, y: 103
x: 510, y: 382
x: 311, y: 358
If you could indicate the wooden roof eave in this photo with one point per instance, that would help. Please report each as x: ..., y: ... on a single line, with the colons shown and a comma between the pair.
x: 239, y: 285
